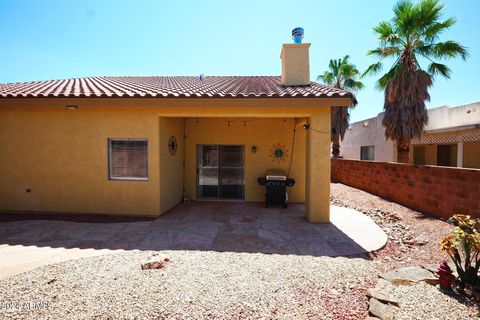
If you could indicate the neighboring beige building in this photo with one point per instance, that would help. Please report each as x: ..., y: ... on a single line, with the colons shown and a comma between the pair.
x: 451, y: 138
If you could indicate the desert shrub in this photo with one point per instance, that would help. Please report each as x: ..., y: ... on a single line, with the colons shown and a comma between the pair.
x: 463, y: 247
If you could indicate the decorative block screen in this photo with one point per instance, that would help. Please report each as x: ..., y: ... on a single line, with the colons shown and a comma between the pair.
x: 448, y: 136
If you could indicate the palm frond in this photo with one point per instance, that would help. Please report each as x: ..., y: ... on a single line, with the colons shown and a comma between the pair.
x: 340, y: 117
x: 386, y: 78
x: 425, y: 50
x: 326, y: 77
x: 405, y: 113
x: 404, y: 18
x: 353, y: 84
x: 433, y: 31
x: 450, y: 49
x: 429, y: 12
x: 438, y: 68
x: 384, y: 52
x: 373, y: 69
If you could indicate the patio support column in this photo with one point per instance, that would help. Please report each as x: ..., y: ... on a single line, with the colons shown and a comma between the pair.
x: 460, y: 154
x: 317, y: 188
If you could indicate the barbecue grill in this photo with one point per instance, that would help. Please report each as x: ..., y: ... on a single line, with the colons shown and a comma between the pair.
x: 276, y: 188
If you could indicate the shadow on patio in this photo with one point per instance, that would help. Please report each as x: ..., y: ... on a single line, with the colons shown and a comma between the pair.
x: 217, y: 226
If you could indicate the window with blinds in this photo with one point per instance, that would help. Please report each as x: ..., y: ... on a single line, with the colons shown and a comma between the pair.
x: 128, y: 159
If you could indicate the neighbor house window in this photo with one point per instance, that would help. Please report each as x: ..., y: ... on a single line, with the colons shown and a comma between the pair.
x: 419, y: 155
x: 367, y: 153
x: 128, y: 159
x: 447, y: 155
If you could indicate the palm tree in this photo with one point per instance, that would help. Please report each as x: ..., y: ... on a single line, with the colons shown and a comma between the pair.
x: 342, y: 75
x: 412, y: 34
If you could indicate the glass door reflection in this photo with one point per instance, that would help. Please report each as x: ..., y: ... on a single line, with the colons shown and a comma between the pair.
x: 220, y: 171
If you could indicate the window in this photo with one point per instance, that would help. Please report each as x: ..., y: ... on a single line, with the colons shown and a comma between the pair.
x: 367, y: 153
x: 447, y: 155
x: 419, y: 155
x: 128, y: 159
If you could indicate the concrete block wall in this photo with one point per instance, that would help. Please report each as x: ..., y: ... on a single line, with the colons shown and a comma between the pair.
x: 437, y: 191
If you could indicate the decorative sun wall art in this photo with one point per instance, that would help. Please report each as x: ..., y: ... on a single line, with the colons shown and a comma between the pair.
x: 279, y: 152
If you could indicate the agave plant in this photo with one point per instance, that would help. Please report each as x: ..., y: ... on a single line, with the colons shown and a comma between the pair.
x: 410, y: 37
x: 342, y: 75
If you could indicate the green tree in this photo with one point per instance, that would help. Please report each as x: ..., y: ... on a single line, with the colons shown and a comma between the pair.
x: 342, y: 75
x: 412, y: 34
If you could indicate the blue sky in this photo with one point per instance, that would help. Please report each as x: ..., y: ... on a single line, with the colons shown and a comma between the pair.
x: 50, y: 39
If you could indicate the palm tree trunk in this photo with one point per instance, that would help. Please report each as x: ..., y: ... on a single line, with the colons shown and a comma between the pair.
x: 403, y: 149
x: 336, y: 145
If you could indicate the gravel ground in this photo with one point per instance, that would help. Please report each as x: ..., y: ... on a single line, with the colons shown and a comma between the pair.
x: 215, y: 285
x: 413, y: 241
x: 196, y: 285
x: 424, y: 301
x: 413, y: 237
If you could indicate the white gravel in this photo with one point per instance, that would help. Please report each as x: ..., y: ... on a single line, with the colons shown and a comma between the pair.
x: 424, y: 301
x: 196, y: 285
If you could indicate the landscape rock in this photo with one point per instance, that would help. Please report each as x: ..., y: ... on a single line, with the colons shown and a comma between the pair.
x: 385, y: 297
x: 405, y: 276
x: 381, y: 310
x: 421, y: 240
x: 383, y: 292
x: 433, y: 268
x: 156, y: 261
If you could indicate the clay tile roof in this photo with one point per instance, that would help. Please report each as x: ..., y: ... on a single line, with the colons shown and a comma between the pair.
x: 170, y: 87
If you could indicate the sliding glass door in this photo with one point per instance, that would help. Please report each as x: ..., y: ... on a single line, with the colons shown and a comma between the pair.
x: 220, y: 171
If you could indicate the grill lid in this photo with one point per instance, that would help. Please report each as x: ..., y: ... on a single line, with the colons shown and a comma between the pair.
x: 276, y: 174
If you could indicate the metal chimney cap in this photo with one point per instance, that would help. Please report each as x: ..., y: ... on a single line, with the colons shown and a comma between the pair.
x: 297, y: 34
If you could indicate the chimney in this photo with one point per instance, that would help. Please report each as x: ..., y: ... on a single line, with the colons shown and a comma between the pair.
x: 296, y: 61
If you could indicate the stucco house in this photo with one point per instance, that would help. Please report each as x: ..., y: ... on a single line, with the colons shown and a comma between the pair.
x: 451, y: 138
x: 140, y: 145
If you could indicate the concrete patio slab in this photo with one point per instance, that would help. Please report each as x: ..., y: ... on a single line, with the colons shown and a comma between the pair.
x: 203, y: 226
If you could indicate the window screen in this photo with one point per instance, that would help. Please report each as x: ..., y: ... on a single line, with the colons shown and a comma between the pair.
x: 367, y: 153
x: 128, y: 159
x: 419, y: 154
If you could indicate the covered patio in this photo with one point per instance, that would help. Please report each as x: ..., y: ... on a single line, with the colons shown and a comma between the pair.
x: 200, y: 226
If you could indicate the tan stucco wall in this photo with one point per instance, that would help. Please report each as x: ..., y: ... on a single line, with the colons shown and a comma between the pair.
x: 317, y: 207
x: 443, y: 118
x: 471, y: 154
x: 171, y: 166
x: 263, y: 133
x: 295, y: 64
x: 61, y: 154
x: 447, y: 117
x: 369, y: 132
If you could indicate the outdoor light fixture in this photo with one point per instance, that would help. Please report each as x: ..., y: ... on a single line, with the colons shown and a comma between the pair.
x: 71, y: 107
x: 254, y: 149
x: 306, y: 126
x: 365, y: 124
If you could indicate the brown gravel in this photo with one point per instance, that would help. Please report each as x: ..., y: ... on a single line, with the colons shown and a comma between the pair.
x: 214, y: 285
x: 195, y: 285
x: 402, y: 225
x: 410, y: 225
